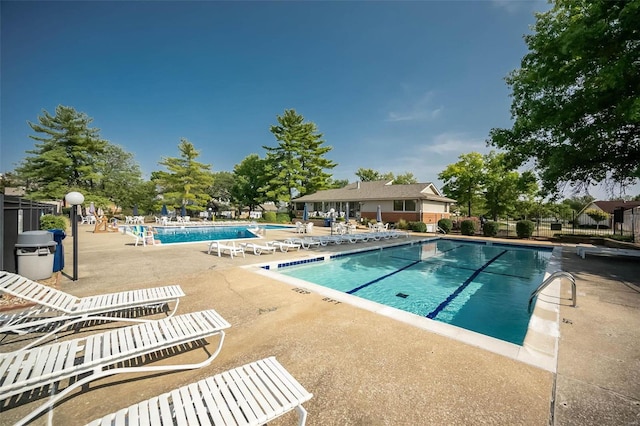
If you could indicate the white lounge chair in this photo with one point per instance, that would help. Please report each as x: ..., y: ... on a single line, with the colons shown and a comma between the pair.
x: 582, y: 251
x: 258, y: 249
x: 283, y: 246
x: 220, y: 247
x: 55, y: 306
x: 83, y: 360
x: 326, y: 239
x: 253, y: 394
x: 306, y: 242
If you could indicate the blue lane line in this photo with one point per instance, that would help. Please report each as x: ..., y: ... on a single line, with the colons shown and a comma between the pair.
x: 441, y: 252
x: 464, y: 285
x: 466, y: 268
x: 414, y: 262
x: 382, y: 277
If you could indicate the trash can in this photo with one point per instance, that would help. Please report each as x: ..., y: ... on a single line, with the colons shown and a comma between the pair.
x: 58, y: 256
x: 327, y: 222
x: 35, y: 251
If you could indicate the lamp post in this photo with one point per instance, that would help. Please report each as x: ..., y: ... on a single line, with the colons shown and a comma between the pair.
x: 74, y: 199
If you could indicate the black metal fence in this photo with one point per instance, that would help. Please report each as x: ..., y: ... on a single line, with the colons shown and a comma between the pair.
x: 573, y: 225
x: 18, y: 215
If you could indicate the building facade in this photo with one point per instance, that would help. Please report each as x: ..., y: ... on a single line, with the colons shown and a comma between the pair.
x: 418, y: 202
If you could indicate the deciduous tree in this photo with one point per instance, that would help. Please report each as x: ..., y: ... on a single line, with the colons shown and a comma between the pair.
x: 119, y: 177
x: 249, y: 181
x: 463, y: 181
x: 576, y: 96
x: 503, y: 186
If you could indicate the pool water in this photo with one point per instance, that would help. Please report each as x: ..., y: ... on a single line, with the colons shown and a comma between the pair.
x: 483, y: 288
x: 192, y: 234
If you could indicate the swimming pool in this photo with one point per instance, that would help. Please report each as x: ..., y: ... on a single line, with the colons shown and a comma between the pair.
x: 480, y: 287
x: 192, y: 234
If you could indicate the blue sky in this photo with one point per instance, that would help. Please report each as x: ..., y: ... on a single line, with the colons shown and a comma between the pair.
x: 393, y: 86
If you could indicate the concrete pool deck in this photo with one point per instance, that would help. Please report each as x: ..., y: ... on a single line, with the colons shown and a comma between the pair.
x: 364, y: 368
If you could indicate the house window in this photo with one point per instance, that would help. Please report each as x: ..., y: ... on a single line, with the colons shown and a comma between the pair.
x: 404, y: 205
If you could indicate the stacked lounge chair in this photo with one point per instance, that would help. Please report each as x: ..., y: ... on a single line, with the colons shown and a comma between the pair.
x: 57, y: 307
x: 249, y: 395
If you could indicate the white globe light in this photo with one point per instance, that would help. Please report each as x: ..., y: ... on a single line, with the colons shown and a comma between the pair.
x: 74, y: 198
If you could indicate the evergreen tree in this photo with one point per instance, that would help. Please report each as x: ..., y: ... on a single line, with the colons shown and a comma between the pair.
x: 187, y: 181
x: 297, y: 165
x: 65, y: 156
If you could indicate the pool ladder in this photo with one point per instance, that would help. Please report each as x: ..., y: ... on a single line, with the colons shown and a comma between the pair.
x: 552, y: 277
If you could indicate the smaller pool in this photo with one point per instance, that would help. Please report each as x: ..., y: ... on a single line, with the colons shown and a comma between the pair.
x: 193, y: 234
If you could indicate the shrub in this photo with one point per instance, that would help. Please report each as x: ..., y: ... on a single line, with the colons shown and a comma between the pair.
x: 283, y: 218
x: 402, y: 224
x: 49, y: 221
x: 418, y: 226
x: 468, y: 227
x: 524, y: 228
x: 490, y: 229
x: 269, y: 217
x: 446, y: 225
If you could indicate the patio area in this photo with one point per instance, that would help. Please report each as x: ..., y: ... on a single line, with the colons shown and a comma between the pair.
x: 363, y: 368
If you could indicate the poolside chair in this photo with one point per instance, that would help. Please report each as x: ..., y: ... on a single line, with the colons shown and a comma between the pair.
x: 283, y: 246
x: 258, y: 249
x: 326, y: 239
x: 583, y: 249
x: 122, y: 350
x: 306, y: 242
x: 253, y: 394
x: 299, y: 228
x: 142, y: 234
x: 54, y: 306
x: 220, y: 247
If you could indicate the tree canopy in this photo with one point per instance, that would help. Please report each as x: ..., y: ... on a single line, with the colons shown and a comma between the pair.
x: 297, y: 165
x: 576, y: 96
x: 187, y: 181
x: 370, y: 175
x: 462, y: 181
x: 65, y: 157
x: 121, y: 179
x: 487, y: 184
x: 248, y: 182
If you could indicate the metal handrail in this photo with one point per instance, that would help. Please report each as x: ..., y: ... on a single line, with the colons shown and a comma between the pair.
x: 552, y: 277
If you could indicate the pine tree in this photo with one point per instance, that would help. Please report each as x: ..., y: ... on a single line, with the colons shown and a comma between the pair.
x: 65, y: 156
x: 187, y: 181
x: 297, y: 165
